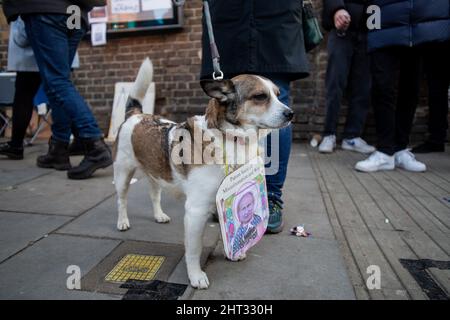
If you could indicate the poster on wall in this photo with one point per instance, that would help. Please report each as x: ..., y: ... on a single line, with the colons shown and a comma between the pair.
x: 137, y: 15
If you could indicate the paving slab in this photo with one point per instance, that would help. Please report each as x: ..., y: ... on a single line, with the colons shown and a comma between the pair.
x: 303, y: 205
x: 39, y: 272
x: 15, y: 172
x: 54, y: 193
x: 280, y: 267
x: 19, y: 230
x: 299, y: 165
x: 101, y: 221
x: 284, y: 266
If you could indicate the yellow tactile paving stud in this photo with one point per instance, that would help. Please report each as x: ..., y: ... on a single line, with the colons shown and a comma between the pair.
x: 135, y: 267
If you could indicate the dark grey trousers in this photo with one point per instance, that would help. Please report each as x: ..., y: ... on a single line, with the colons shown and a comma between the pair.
x: 348, y: 72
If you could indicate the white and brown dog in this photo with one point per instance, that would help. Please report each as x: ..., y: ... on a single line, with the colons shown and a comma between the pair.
x: 147, y: 142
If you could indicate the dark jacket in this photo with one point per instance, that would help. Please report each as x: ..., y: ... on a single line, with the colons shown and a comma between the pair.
x: 410, y: 23
x: 14, y: 8
x: 257, y: 36
x: 356, y: 9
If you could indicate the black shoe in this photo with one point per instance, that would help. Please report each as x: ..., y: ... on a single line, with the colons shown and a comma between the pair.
x: 428, y: 147
x: 97, y: 156
x: 11, y: 152
x: 57, y: 156
x: 76, y: 148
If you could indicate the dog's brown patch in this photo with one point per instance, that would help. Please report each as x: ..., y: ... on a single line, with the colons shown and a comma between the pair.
x: 198, y: 147
x: 151, y: 147
x: 215, y: 114
x: 250, y: 85
x: 250, y: 89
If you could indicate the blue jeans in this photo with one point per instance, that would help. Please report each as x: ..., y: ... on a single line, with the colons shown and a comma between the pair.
x: 275, y: 182
x: 54, y: 47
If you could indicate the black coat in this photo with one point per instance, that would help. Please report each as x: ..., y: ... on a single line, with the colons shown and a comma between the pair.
x: 14, y: 8
x: 411, y: 23
x: 356, y: 9
x: 257, y: 36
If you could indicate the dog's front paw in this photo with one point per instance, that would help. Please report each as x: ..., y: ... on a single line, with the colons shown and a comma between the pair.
x: 123, y: 224
x: 162, y: 218
x: 199, y: 280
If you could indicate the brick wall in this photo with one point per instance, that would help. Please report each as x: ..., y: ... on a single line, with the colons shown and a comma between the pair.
x: 176, y: 59
x: 4, y: 33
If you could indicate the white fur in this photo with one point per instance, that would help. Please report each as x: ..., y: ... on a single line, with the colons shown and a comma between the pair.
x: 125, y: 165
x: 143, y: 80
x: 199, y: 186
x: 274, y: 117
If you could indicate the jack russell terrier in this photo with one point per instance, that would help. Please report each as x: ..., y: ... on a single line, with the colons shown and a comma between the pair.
x: 148, y: 142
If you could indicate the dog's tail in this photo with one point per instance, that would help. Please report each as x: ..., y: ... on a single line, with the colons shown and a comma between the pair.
x: 139, y: 89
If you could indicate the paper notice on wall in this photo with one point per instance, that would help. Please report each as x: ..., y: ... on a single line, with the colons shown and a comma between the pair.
x: 98, y: 34
x: 124, y: 6
x: 148, y: 5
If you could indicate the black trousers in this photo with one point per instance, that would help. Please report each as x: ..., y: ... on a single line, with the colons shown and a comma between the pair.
x: 437, y: 71
x: 396, y: 82
x: 348, y: 71
x: 27, y: 84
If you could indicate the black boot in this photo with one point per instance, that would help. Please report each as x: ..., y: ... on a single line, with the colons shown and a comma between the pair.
x: 97, y: 156
x: 11, y: 152
x: 76, y: 148
x: 428, y: 147
x: 57, y: 156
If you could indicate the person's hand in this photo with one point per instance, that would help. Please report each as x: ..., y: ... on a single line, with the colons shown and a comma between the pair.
x: 342, y: 19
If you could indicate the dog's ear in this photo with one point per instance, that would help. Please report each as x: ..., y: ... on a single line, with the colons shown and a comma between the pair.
x: 222, y: 90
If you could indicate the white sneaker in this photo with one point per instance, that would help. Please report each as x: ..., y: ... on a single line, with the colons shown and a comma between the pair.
x: 376, y: 162
x: 405, y: 159
x: 328, y: 144
x: 358, y: 145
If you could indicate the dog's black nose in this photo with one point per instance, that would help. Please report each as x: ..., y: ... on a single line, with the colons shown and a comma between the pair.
x: 288, y: 114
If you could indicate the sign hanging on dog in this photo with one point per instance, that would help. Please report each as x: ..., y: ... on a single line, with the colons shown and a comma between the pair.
x: 242, y: 207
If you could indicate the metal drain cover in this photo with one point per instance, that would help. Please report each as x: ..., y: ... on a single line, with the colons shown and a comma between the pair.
x: 133, y: 261
x: 135, y: 267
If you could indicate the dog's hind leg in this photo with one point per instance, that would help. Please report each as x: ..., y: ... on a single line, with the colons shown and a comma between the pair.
x: 155, y: 196
x: 123, y: 172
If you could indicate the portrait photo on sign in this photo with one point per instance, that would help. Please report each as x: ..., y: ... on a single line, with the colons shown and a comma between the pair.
x: 244, y: 216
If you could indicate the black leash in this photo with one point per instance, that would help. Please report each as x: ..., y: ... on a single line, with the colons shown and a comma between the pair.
x: 212, y: 43
x: 217, y: 74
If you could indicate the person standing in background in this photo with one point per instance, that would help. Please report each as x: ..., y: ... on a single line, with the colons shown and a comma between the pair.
x: 54, y: 46
x: 348, y: 70
x: 265, y: 38
x: 20, y: 60
x: 396, y: 49
x: 436, y: 59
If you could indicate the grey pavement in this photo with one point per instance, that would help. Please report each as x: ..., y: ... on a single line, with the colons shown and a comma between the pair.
x: 48, y: 223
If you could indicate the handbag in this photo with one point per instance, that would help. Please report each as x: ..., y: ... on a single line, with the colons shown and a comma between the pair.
x: 311, y: 29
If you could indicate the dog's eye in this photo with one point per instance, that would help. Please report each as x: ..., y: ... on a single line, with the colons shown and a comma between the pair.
x: 260, y: 97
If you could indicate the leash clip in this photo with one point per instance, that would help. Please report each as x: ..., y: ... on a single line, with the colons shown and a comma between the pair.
x: 219, y: 77
x: 178, y: 3
x: 214, y: 52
